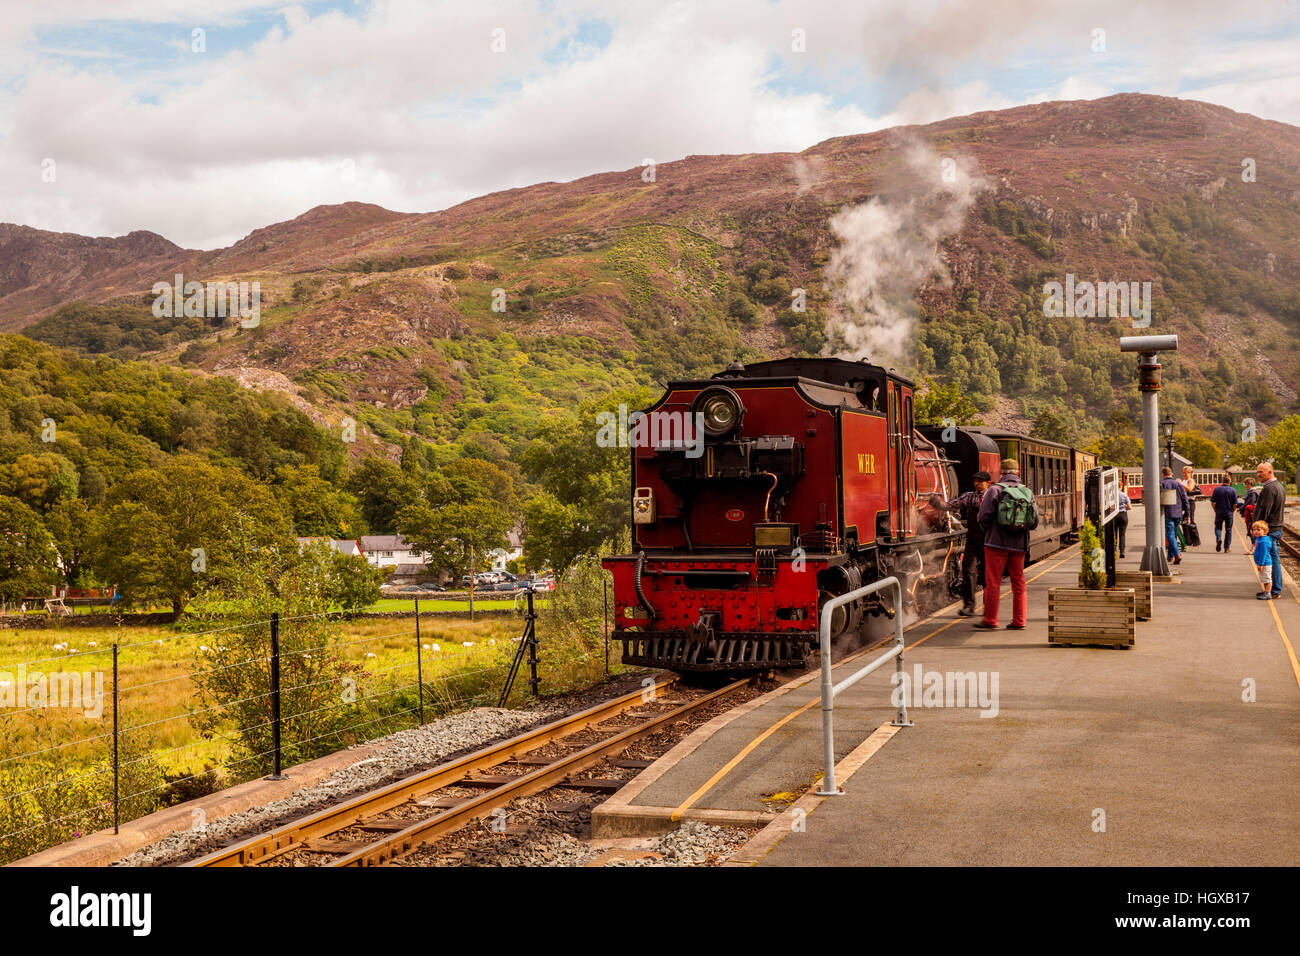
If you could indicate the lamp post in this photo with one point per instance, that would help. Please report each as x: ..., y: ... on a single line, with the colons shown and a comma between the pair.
x: 1149, y: 348
x: 1167, y: 430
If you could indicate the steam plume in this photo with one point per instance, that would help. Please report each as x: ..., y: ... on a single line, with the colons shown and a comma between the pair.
x: 888, y: 247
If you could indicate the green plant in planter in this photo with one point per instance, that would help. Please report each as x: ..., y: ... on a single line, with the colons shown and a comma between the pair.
x: 1092, y: 558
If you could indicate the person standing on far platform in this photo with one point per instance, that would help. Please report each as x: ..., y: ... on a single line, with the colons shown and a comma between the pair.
x: 1188, y: 481
x: 1224, y: 499
x: 1269, y: 509
x: 1248, y: 505
x: 1266, y: 558
x: 967, y: 506
x: 1121, y: 519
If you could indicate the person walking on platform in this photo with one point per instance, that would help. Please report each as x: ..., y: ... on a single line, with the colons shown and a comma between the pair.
x: 1224, y: 499
x: 1007, y: 514
x: 1121, y: 519
x: 967, y: 506
x: 1270, y: 509
x: 1174, y: 511
x: 1266, y: 559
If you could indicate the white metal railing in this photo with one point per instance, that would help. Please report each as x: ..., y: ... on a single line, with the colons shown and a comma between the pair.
x: 830, y: 689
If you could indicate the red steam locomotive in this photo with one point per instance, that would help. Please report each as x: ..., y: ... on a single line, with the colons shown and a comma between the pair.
x: 763, y: 492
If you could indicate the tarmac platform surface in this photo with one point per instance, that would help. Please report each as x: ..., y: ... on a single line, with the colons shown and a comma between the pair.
x: 1149, y: 755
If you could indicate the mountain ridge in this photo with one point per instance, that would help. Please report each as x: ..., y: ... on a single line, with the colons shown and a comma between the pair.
x: 696, y: 266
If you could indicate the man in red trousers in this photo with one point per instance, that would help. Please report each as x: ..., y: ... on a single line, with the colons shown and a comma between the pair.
x: 1007, y: 514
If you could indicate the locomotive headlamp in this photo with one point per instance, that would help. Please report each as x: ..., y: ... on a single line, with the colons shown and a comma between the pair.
x: 720, y: 410
x: 643, y: 506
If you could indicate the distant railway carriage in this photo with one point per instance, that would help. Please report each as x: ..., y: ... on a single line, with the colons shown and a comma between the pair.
x: 1206, y: 478
x: 809, y: 480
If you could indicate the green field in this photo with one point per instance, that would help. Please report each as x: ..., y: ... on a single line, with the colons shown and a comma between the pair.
x: 156, y: 690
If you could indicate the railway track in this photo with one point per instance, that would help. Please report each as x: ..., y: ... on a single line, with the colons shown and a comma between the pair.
x: 1291, y: 541
x: 376, y: 827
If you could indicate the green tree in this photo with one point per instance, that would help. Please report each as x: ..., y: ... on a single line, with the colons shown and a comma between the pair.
x: 352, y: 584
x: 40, y: 480
x: 458, y: 536
x: 69, y: 523
x: 26, y: 558
x: 324, y: 692
x: 473, y: 479
x: 1201, y: 451
x: 316, y: 507
x: 170, y: 531
x: 939, y: 402
x: 382, y: 489
x: 1049, y: 426
x: 1119, y: 444
x: 585, y: 498
x: 1281, y: 446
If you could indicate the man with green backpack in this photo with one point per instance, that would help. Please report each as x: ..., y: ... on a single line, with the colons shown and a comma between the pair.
x: 1007, y: 514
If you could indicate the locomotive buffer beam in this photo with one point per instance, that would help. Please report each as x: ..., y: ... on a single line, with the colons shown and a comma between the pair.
x: 676, y: 649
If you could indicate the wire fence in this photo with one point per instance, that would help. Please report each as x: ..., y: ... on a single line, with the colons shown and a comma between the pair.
x: 113, y: 733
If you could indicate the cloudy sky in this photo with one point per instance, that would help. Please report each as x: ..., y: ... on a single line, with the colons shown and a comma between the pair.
x: 205, y: 119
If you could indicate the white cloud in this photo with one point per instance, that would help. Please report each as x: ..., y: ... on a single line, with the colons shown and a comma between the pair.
x: 218, y: 144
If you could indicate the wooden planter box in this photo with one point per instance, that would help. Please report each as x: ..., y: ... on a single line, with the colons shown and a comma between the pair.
x: 1080, y: 616
x: 1143, y: 589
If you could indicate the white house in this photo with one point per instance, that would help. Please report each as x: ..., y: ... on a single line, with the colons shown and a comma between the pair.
x: 500, y: 556
x: 392, y: 551
x: 347, y: 546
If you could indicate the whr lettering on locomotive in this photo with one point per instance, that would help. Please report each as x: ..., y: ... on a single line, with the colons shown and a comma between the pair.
x: 814, y: 480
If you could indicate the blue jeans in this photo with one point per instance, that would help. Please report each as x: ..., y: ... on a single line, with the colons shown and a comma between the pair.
x: 1277, y: 561
x: 1171, y: 537
x: 1223, y: 530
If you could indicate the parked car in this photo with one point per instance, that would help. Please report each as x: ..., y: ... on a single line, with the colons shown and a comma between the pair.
x: 430, y: 586
x: 505, y: 586
x: 411, y: 589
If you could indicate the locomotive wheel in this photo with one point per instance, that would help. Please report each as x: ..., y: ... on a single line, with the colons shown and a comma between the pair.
x: 839, y: 617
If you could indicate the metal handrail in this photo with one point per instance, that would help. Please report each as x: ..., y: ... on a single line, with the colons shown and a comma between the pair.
x: 830, y: 689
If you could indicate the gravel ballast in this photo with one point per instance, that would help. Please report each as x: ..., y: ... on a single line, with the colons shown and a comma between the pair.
x: 401, y: 754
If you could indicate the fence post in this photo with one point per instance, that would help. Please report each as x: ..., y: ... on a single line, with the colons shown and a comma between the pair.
x: 117, y: 756
x: 604, y: 584
x: 419, y: 662
x: 277, y: 774
x: 532, y: 644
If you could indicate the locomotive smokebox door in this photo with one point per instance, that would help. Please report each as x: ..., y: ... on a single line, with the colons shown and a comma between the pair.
x: 643, y: 506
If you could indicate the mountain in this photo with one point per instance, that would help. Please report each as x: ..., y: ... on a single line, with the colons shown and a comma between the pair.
x: 625, y: 277
x: 40, y: 270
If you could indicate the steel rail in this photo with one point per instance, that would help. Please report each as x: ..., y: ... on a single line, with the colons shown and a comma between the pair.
x: 1295, y: 551
x: 292, y: 835
x: 425, y: 831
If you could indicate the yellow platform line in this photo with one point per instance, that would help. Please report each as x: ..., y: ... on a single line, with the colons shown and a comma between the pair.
x: 1277, y: 619
x: 749, y: 747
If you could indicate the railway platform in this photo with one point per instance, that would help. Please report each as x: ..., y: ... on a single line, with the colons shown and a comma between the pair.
x: 1181, y: 750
